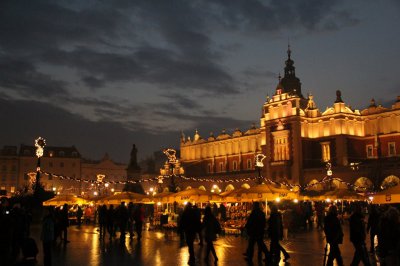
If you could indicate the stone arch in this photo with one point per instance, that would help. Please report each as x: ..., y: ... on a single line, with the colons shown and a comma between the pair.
x: 188, y: 187
x: 336, y: 184
x: 364, y: 182
x: 245, y: 185
x: 229, y: 187
x: 178, y: 189
x: 202, y: 188
x: 317, y: 187
x: 390, y: 181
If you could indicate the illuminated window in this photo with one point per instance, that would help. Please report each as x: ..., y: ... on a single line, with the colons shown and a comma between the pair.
x: 370, y: 151
x: 392, y: 149
x: 249, y: 164
x: 281, y: 148
x: 12, y: 190
x: 234, y: 166
x: 325, y: 151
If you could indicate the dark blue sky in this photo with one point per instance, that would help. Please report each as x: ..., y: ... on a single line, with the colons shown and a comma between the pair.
x: 102, y: 75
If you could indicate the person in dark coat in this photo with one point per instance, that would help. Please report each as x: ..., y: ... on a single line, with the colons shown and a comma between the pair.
x: 79, y: 214
x: 103, y: 221
x: 122, y: 214
x: 275, y: 232
x: 47, y: 235
x: 64, y: 222
x: 373, y: 225
x: 211, y: 229
x: 110, y: 221
x: 190, y: 224
x: 131, y: 221
x: 138, y: 216
x: 389, y: 237
x: 255, y: 227
x: 334, y: 236
x: 357, y: 237
x: 222, y: 210
x: 198, y: 216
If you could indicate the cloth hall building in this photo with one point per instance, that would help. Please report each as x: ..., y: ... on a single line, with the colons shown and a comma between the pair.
x: 299, y: 140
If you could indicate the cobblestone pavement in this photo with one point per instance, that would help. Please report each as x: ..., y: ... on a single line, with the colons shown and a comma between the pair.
x: 158, y: 248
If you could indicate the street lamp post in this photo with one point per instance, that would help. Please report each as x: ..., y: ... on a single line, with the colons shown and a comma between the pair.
x: 39, y: 144
x: 259, y: 165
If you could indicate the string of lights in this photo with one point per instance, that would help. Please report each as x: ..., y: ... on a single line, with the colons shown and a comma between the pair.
x: 237, y: 180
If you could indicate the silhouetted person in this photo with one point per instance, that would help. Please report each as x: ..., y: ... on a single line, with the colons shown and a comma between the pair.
x: 334, y: 236
x: 110, y: 221
x: 198, y: 216
x: 255, y: 227
x: 138, y: 216
x: 222, y: 211
x: 47, y: 235
x: 64, y: 222
x: 373, y: 225
x: 79, y: 214
x: 190, y: 224
x: 211, y: 229
x: 357, y: 237
x: 275, y: 232
x: 122, y: 214
x: 131, y: 221
x: 389, y: 237
x: 103, y: 220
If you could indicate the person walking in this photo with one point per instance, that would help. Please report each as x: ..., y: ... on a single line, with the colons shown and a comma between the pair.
x: 334, y: 236
x: 275, y: 232
x: 190, y: 224
x: 47, y: 235
x: 79, y: 214
x: 64, y: 222
x: 357, y: 237
x: 138, y: 216
x: 372, y: 226
x: 122, y: 214
x: 198, y: 217
x: 211, y: 229
x: 102, y: 220
x: 255, y: 227
x: 110, y: 221
x: 389, y: 237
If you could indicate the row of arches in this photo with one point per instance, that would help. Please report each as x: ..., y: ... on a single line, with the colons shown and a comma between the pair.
x: 364, y: 182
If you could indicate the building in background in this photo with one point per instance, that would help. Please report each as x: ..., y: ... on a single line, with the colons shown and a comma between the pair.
x: 299, y: 141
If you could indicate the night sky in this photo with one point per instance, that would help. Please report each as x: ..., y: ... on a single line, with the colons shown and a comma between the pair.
x: 102, y: 75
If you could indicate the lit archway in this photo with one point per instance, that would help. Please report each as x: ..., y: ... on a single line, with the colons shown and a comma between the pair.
x: 202, y: 188
x: 229, y: 187
x: 178, y: 189
x: 245, y: 185
x: 188, y: 187
x: 315, y: 185
x: 363, y: 183
x: 390, y: 181
x: 336, y: 184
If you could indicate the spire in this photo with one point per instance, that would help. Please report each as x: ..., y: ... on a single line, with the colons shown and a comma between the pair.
x: 290, y: 83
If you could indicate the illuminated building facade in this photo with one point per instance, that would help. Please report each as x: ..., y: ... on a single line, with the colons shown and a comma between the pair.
x: 299, y: 140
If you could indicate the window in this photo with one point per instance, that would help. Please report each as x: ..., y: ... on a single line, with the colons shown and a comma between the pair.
x: 325, y: 151
x: 249, y: 164
x: 209, y: 168
x: 234, y: 166
x: 61, y: 153
x: 61, y: 164
x: 27, y: 152
x: 51, y: 153
x: 221, y: 166
x: 392, y: 149
x: 14, y: 168
x: 4, y: 168
x: 370, y: 151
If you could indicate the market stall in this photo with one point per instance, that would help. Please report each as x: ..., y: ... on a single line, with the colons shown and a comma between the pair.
x: 69, y: 199
x: 391, y: 195
x: 119, y: 197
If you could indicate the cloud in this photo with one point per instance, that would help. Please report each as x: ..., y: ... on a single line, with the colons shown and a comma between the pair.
x: 22, y: 78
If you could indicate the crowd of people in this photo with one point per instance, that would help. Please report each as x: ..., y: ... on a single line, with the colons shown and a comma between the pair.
x: 383, y: 223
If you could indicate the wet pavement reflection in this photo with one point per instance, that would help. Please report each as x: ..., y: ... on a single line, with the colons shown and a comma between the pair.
x: 164, y: 248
